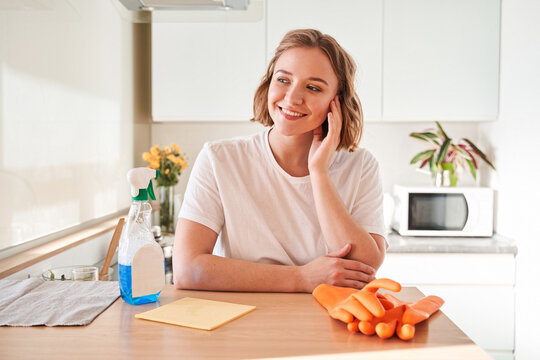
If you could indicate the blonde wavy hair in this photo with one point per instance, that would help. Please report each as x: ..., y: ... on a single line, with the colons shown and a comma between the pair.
x: 344, y: 68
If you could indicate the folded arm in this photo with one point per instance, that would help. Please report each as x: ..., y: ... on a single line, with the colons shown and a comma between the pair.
x: 340, y: 228
x: 195, y: 267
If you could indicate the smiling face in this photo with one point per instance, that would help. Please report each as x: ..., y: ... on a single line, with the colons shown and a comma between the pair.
x: 303, y: 85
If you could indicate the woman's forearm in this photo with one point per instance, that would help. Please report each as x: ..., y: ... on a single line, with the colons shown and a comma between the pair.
x: 339, y: 227
x: 210, y: 272
x: 195, y: 267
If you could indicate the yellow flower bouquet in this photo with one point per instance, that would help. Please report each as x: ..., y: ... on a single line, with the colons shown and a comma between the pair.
x: 170, y: 164
x: 168, y: 161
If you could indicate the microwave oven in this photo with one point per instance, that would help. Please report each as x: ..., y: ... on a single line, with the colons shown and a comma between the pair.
x: 443, y: 211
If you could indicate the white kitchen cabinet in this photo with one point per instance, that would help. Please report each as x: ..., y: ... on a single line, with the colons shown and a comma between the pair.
x: 207, y: 66
x: 418, y: 60
x: 441, y: 59
x: 355, y: 24
x: 478, y: 290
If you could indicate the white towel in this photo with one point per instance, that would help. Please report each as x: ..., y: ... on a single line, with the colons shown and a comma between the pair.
x: 34, y: 301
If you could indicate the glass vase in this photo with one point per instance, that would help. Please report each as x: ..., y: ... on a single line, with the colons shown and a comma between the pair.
x: 166, y: 209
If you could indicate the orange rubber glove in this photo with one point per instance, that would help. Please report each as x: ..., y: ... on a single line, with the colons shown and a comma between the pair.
x: 330, y: 297
x: 402, y: 318
x: 346, y: 304
x: 370, y: 312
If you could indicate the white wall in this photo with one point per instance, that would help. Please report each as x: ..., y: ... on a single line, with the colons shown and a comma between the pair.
x: 389, y: 142
x: 515, y: 138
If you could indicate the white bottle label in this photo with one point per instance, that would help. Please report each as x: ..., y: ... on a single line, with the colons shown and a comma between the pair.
x: 147, y: 271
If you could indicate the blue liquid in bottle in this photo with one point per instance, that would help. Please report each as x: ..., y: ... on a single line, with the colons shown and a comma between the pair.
x: 124, y: 279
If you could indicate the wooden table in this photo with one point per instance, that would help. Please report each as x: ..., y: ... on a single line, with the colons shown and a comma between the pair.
x: 283, y: 325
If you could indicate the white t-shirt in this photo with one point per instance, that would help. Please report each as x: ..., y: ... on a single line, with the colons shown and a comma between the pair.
x: 263, y: 214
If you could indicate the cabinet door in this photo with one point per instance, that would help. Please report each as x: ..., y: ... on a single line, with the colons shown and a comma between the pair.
x: 355, y: 24
x: 484, y: 313
x: 206, y: 66
x: 449, y: 269
x: 478, y: 290
x: 441, y: 59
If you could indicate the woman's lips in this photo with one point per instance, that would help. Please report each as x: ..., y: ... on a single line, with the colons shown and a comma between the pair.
x: 290, y: 114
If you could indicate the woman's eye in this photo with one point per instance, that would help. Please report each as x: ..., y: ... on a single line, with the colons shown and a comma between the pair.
x: 282, y: 80
x: 314, y: 88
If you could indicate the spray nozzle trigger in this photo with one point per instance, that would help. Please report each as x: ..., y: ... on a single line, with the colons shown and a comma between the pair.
x: 151, y: 191
x: 140, y: 180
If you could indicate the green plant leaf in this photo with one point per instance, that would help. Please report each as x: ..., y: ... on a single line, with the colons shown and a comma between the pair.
x: 443, y: 150
x: 464, y: 147
x: 441, y: 130
x: 461, y: 152
x: 426, y: 137
x: 421, y: 156
x: 430, y: 134
x: 432, y: 165
x: 419, y: 136
x: 472, y: 168
x: 479, y: 152
x: 432, y: 138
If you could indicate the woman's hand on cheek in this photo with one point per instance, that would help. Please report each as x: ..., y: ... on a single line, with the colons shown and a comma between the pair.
x: 321, y: 151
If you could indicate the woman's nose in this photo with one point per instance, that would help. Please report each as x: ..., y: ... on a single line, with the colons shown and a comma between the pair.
x: 294, y: 95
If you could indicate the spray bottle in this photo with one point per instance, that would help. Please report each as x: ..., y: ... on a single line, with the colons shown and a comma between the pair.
x: 141, y: 265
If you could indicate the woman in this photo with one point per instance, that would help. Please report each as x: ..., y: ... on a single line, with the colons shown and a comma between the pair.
x: 291, y: 207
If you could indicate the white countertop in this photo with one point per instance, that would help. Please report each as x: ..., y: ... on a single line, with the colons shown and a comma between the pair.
x: 496, y: 244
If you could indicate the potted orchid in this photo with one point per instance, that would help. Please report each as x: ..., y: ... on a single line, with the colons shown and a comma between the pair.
x: 446, y: 158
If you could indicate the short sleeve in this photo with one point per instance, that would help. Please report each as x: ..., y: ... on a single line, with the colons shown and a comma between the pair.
x: 368, y: 205
x: 202, y: 201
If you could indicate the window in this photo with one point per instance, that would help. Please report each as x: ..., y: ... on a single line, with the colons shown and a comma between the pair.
x: 66, y: 115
